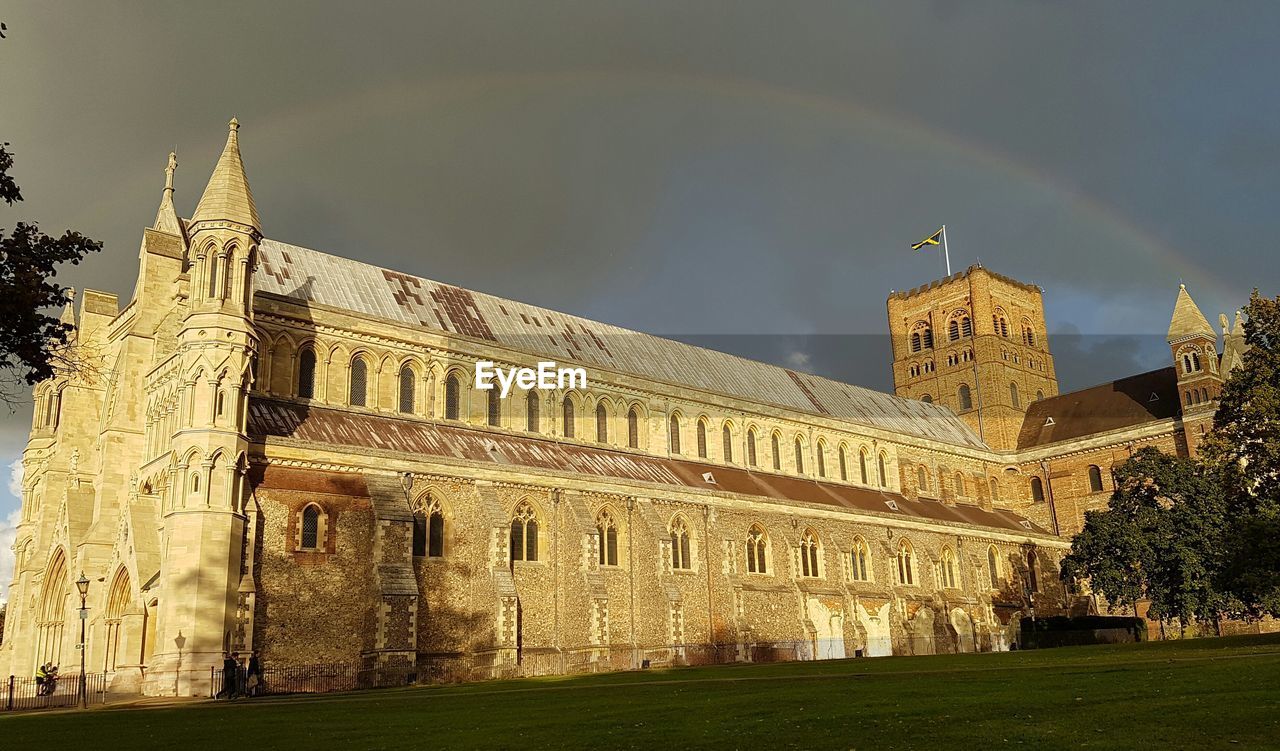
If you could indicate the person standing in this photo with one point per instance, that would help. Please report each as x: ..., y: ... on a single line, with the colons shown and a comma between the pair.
x: 230, y: 672
x: 254, y: 676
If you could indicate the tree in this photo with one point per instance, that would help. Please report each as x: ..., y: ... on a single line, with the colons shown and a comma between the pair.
x: 1244, y: 448
x: 33, y: 345
x: 1163, y: 539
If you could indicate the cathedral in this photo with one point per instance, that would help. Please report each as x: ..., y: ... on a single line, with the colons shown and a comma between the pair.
x: 277, y: 449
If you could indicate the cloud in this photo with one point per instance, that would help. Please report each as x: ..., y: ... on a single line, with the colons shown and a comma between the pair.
x: 15, y: 478
x: 799, y: 360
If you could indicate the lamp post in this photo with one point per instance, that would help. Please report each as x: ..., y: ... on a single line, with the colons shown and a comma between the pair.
x: 82, y: 584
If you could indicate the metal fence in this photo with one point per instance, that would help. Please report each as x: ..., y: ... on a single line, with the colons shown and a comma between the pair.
x: 27, y: 693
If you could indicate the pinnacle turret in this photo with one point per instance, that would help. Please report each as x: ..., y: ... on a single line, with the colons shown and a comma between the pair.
x: 227, y: 196
x: 1188, y: 322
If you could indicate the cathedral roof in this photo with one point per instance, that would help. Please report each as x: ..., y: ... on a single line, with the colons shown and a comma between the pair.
x: 339, y: 427
x: 227, y: 196
x: 310, y: 276
x: 1187, y: 320
x: 1128, y: 402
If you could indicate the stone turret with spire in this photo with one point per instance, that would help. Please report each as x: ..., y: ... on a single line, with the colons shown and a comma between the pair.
x: 204, y: 522
x: 1194, y: 345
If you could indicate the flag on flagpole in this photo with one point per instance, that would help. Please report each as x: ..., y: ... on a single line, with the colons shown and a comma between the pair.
x: 934, y: 239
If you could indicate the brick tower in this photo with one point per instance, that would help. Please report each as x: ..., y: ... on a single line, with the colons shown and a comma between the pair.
x: 975, y: 342
x: 1194, y: 345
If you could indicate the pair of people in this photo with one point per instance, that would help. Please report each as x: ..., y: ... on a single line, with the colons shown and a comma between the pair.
x: 231, y: 687
x: 46, y: 679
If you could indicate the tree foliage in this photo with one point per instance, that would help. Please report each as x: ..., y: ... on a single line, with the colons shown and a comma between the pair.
x: 33, y: 344
x: 1244, y: 448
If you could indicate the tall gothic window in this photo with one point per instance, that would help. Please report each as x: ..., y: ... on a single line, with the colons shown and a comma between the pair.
x: 993, y: 566
x: 428, y: 529
x: 965, y: 396
x: 570, y: 417
x: 602, y: 423
x: 1033, y: 571
x: 757, y: 545
x: 947, y: 573
x: 680, y: 558
x: 608, y: 531
x: 359, y: 383
x: 906, y: 563
x: 822, y: 459
x: 960, y: 489
x: 799, y: 457
x: 451, y: 397
x: 726, y: 438
x: 844, y: 466
x: 809, y: 554
x: 673, y: 432
x: 862, y: 467
x: 861, y: 560
x: 307, y: 374
x: 884, y: 477
x: 531, y: 411
x: 751, y: 447
x: 777, y: 453
x: 633, y: 428
x: 1037, y: 490
x: 702, y: 439
x: 524, y: 533
x: 1013, y: 396
x: 406, y: 389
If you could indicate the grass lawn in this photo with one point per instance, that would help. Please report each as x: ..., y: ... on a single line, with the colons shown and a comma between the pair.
x: 1201, y: 694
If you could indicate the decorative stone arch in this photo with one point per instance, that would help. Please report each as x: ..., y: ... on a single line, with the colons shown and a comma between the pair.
x: 362, y: 378
x: 820, y: 457
x: 638, y: 426
x: 702, y: 436
x: 727, y: 438
x: 751, y: 439
x: 572, y: 407
x: 52, y: 609
x: 799, y: 450
x: 842, y: 460
x: 675, y: 430
x: 775, y: 450
x: 604, y: 414
x: 455, y: 406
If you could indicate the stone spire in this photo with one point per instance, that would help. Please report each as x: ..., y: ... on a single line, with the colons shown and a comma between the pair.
x: 167, y: 217
x: 227, y: 196
x: 1188, y: 322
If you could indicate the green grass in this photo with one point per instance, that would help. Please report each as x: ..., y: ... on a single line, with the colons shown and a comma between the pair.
x: 1201, y: 694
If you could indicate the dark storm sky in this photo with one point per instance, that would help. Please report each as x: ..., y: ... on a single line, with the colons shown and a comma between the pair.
x: 743, y: 174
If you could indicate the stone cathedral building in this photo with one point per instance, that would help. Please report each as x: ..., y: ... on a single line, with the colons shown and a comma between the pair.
x: 280, y: 449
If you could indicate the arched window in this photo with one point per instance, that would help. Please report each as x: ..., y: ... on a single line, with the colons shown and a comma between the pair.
x: 702, y: 439
x: 674, y: 434
x: 570, y: 417
x: 726, y: 439
x: 1037, y: 490
x: 965, y: 396
x: 921, y: 336
x: 799, y: 457
x: 359, y: 392
x: 777, y: 453
x: 1095, y: 479
x: 215, y: 274
x: 406, y: 389
x: 947, y: 572
x: 861, y: 560
x: 524, y: 533
x: 1028, y: 334
x: 844, y: 466
x: 916, y: 341
x: 531, y: 412
x: 809, y: 554
x: 307, y: 374
x: 1039, y: 395
x: 751, y: 447
x: 1000, y: 324
x: 906, y: 563
x: 993, y: 566
x: 922, y: 479
x: 862, y: 467
x: 966, y: 327
x: 633, y: 428
x: 451, y: 397
x: 927, y: 399
x: 494, y: 410
x: 960, y: 490
x: 884, y: 477
x: 1033, y: 571
x: 995, y: 490
x: 757, y: 545
x: 608, y: 531
x: 1013, y: 396
x: 602, y: 423
x: 310, y: 528
x: 681, y: 560
x: 953, y: 330
x: 822, y: 459
x: 428, y: 528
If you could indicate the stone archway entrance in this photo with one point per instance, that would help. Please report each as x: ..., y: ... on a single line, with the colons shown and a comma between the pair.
x: 55, y: 598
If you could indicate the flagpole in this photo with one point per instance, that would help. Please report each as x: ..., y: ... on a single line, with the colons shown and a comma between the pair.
x: 945, y: 253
